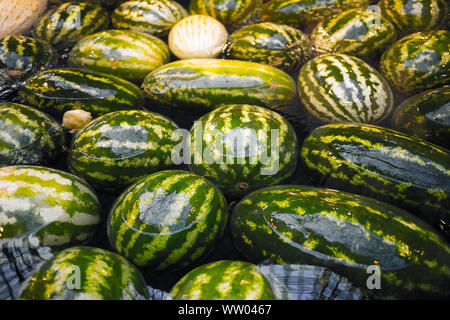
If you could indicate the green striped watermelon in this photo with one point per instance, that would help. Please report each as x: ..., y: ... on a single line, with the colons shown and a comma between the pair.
x: 418, y: 62
x: 109, y: 4
x: 411, y: 16
x: 118, y: 148
x: 206, y: 84
x: 69, y: 23
x: 28, y: 136
x: 426, y: 115
x: 59, y: 208
x: 384, y: 164
x: 357, y: 32
x: 230, y: 12
x: 85, y: 273
x: 223, y: 280
x: 58, y: 90
x: 339, y: 88
x: 125, y: 53
x: 167, y: 220
x: 241, y: 148
x: 22, y: 56
x: 278, y: 45
x: 346, y: 233
x: 155, y: 17
x: 306, y: 13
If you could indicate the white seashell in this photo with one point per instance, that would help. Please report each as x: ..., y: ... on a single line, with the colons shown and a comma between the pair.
x: 198, y: 36
x: 76, y: 119
x: 18, y: 16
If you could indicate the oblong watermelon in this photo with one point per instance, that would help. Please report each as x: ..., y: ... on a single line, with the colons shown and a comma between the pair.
x: 124, y: 53
x: 241, y: 148
x: 384, y: 164
x: 306, y: 13
x: 28, y: 136
x: 155, y: 17
x: 356, y: 32
x: 63, y: 26
x: 278, y: 45
x: 118, y: 148
x: 340, y: 88
x: 206, y: 84
x: 425, y: 115
x: 85, y: 273
x: 60, y: 209
x: 348, y: 234
x: 230, y: 12
x: 414, y: 16
x: 418, y: 62
x: 223, y: 280
x: 167, y: 220
x: 56, y: 91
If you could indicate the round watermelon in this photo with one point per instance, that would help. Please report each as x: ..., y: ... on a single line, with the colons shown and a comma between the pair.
x: 85, y: 273
x: 167, y: 220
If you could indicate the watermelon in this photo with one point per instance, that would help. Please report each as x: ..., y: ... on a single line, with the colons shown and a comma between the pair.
x: 426, y: 115
x: 85, y: 273
x: 124, y: 53
x: 384, y: 164
x: 223, y: 280
x: 168, y: 220
x: 28, y: 136
x: 418, y: 61
x: 241, y: 148
x: 60, y: 209
x: 346, y: 233
x: 416, y: 15
x: 306, y: 13
x: 230, y: 12
x: 278, y: 45
x: 20, y: 57
x: 206, y: 84
x: 58, y: 90
x: 109, y: 4
x: 198, y: 36
x: 340, y: 88
x: 155, y: 17
x: 69, y: 23
x: 356, y: 32
x: 120, y: 147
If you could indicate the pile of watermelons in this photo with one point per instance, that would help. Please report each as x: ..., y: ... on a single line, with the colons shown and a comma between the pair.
x: 291, y: 132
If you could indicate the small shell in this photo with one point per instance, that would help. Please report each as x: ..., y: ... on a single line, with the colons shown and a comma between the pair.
x: 76, y: 119
x: 198, y: 36
x: 18, y: 16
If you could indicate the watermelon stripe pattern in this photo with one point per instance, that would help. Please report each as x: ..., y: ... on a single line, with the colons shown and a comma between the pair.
x: 229, y: 12
x: 71, y: 22
x: 118, y: 148
x: 102, y: 275
x: 223, y: 280
x: 240, y: 152
x: 155, y: 17
x: 205, y: 84
x: 384, y: 164
x: 355, y: 32
x: 418, y: 62
x: 28, y: 136
x: 306, y: 12
x: 60, y: 208
x: 75, y: 88
x: 124, y: 53
x: 414, y: 16
x: 277, y: 45
x: 168, y: 220
x: 26, y: 55
x: 340, y: 88
x: 346, y: 233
